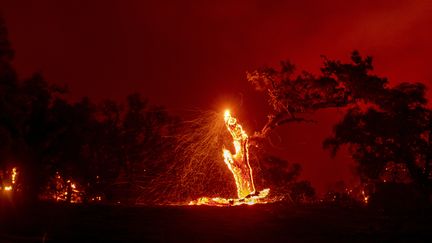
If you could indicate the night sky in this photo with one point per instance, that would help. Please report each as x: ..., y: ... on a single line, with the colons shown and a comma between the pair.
x: 190, y: 54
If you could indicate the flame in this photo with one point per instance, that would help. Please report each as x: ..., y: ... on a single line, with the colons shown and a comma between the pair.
x: 239, y: 166
x: 220, y: 202
x: 12, y: 181
x: 8, y: 188
x: 238, y: 163
x: 365, y: 197
x: 64, y: 190
x: 14, y: 175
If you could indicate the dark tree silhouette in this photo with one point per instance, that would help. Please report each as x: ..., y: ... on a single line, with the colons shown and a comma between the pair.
x: 24, y: 115
x: 394, y: 130
x: 145, y: 142
x: 8, y: 89
x: 302, y: 191
x: 36, y: 136
x: 283, y: 177
x: 96, y: 145
x: 77, y: 142
x: 382, y: 125
x: 339, y: 84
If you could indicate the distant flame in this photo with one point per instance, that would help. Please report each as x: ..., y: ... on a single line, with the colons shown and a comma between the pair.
x: 239, y: 166
x: 365, y: 197
x: 14, y: 175
x: 12, y: 180
x: 62, y: 190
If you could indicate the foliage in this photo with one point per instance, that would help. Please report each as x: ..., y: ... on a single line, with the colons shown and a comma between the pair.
x: 283, y: 178
x: 291, y: 95
x: 382, y: 124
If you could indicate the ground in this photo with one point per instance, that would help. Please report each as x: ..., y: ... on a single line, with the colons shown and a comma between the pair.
x: 48, y: 222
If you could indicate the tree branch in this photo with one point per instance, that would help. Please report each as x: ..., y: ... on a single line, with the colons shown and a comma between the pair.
x: 276, y: 121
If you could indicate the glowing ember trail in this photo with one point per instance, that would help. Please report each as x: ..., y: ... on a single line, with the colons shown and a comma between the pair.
x: 239, y: 166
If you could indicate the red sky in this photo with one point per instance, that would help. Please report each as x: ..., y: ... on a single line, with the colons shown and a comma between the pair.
x: 194, y: 54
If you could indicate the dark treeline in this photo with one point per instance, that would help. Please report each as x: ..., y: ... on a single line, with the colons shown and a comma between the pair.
x: 96, y: 145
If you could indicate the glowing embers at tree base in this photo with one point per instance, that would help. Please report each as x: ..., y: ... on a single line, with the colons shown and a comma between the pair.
x: 239, y: 166
x: 218, y: 201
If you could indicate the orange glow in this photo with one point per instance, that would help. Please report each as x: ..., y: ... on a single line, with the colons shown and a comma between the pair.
x: 10, y: 184
x: 14, y: 175
x: 65, y: 190
x: 238, y: 163
x: 365, y: 197
x: 239, y: 166
x: 220, y: 202
x: 97, y: 198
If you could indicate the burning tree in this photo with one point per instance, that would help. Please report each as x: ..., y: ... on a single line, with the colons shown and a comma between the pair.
x: 198, y: 169
x: 238, y: 163
x: 240, y: 168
